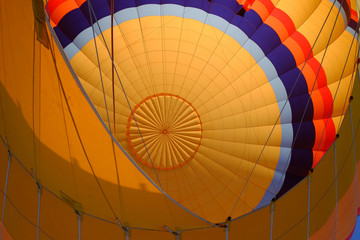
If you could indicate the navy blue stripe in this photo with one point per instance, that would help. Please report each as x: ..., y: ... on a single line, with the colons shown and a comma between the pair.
x: 143, y: 2
x: 353, y: 25
x: 229, y: 4
x: 200, y: 4
x: 266, y: 38
x: 62, y: 37
x: 301, y: 102
x: 72, y: 24
x: 120, y: 5
x: 347, y: 10
x: 289, y: 79
x: 297, y: 170
x: 245, y: 26
x: 222, y: 12
x: 283, y: 59
x: 102, y: 9
x: 253, y: 18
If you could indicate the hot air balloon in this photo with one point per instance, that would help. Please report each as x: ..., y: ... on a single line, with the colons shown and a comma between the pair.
x: 185, y: 119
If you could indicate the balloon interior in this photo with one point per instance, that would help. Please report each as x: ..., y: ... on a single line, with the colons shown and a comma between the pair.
x: 198, y: 119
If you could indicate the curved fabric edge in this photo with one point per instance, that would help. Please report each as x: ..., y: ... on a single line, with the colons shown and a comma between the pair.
x: 106, y: 128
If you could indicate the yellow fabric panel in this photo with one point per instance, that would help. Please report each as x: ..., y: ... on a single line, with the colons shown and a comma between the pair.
x: 137, y: 234
x: 210, y: 233
x: 93, y: 228
x: 298, y: 11
x: 293, y: 207
x: 253, y: 226
x: 311, y: 27
x: 336, y: 56
x: 57, y: 219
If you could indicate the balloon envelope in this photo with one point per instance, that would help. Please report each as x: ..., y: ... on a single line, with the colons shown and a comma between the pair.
x: 218, y: 110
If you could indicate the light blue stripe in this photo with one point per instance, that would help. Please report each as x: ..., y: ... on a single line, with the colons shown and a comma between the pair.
x: 270, y: 72
x: 195, y: 14
x: 173, y: 10
x: 352, y: 32
x: 71, y: 50
x: 217, y: 22
x: 148, y: 10
x: 342, y: 10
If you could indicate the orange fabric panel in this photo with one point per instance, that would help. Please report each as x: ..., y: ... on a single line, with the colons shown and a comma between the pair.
x: 327, y: 230
x: 263, y: 8
x: 17, y: 224
x: 136, y: 234
x: 5, y: 235
x: 22, y: 186
x: 311, y: 78
x: 299, y: 46
x: 325, y: 130
x: 93, y: 228
x: 18, y: 135
x: 60, y: 11
x: 4, y: 161
x: 57, y: 219
x: 281, y: 23
x: 347, y: 211
x: 209, y: 233
x: 248, y: 226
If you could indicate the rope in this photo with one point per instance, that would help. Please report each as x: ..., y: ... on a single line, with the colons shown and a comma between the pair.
x: 112, y: 59
x: 79, y: 222
x: 6, y: 185
x: 308, y: 209
x: 62, y: 90
x: 272, y: 220
x: 336, y: 190
x: 127, y: 100
x: 38, y: 217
